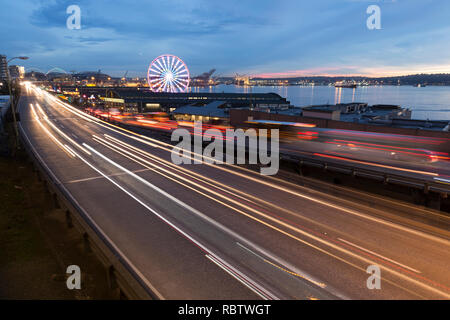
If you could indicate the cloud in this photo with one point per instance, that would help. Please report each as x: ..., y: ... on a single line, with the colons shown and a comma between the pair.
x: 90, y: 40
x: 257, y: 37
x: 152, y: 19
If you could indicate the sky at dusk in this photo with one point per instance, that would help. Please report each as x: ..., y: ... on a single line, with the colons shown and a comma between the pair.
x: 260, y: 37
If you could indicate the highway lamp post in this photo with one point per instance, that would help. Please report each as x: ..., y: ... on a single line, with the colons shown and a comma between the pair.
x: 11, y: 99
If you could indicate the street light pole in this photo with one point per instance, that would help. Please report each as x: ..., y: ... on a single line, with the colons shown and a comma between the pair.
x: 11, y: 100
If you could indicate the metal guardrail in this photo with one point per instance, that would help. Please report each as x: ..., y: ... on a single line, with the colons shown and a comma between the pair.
x: 123, y: 276
x: 425, y: 185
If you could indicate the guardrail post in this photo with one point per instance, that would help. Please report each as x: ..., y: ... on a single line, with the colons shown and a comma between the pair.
x: 56, y: 201
x: 434, y: 201
x: 45, y: 184
x: 300, y: 168
x: 69, y: 220
x: 38, y: 176
x: 112, y: 281
x: 86, y: 244
x: 426, y: 188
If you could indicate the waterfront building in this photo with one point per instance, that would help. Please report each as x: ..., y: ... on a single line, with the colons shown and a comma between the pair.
x: 144, y: 100
x: 3, y: 68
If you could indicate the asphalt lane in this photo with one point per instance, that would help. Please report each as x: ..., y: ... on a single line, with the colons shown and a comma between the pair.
x: 193, y: 229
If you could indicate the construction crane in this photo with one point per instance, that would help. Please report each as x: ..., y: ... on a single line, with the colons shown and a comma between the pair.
x: 241, y: 79
x: 204, y: 78
x: 97, y: 77
x: 124, y: 78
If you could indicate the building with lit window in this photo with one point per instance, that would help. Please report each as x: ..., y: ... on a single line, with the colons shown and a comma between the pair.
x: 215, y: 112
x: 144, y: 100
x: 16, y: 72
x: 3, y: 66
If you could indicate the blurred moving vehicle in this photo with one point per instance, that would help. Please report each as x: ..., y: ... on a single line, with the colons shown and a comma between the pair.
x: 395, y: 151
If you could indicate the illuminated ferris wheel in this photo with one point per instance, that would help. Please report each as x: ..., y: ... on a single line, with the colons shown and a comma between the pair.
x: 168, y: 73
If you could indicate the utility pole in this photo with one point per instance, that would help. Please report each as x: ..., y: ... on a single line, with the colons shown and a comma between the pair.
x: 11, y: 99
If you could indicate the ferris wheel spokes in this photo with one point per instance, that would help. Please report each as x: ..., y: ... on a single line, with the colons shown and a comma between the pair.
x: 168, y: 73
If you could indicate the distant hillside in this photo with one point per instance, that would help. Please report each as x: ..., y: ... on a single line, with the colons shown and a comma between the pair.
x: 432, y: 79
x: 428, y: 79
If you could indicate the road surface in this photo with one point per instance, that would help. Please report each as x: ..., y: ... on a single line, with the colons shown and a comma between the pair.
x: 225, y: 232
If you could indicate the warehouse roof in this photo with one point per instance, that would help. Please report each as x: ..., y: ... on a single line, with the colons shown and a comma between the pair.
x: 212, y: 109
